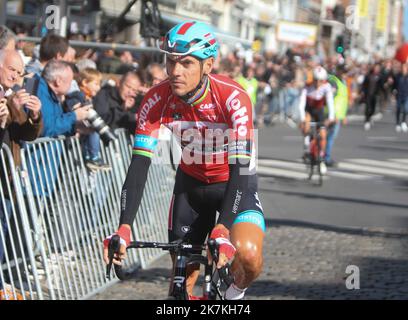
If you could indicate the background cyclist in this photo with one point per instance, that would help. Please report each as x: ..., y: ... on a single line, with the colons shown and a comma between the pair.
x: 314, y: 97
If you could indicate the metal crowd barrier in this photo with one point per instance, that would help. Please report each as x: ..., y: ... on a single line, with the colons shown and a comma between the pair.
x: 66, y: 211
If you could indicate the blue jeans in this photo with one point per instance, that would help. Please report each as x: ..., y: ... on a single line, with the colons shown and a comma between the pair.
x: 331, y: 136
x: 288, y: 99
x: 4, y: 215
x: 91, y: 146
x: 402, y: 110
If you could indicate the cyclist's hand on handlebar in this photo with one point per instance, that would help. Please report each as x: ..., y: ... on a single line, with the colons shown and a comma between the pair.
x: 124, y: 234
x: 226, y: 249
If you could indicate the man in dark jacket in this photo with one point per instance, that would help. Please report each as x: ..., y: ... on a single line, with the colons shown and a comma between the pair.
x: 118, y: 105
x: 371, y: 89
x: 401, y: 87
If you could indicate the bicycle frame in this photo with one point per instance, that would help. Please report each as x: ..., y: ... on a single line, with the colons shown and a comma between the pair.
x: 314, y: 150
x: 184, y: 255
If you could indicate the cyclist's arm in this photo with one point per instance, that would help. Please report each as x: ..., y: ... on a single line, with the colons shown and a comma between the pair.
x: 302, y: 105
x: 237, y: 186
x: 239, y: 108
x: 132, y: 190
x: 146, y: 139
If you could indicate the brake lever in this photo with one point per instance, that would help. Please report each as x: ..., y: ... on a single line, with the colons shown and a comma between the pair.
x: 226, y: 275
x: 212, y: 247
x: 113, y: 247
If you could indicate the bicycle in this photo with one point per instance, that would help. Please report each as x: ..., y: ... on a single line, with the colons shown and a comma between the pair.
x: 185, y: 254
x: 313, y: 156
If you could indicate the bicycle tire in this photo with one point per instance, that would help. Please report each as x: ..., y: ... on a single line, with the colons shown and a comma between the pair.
x: 319, y: 161
x: 320, y: 180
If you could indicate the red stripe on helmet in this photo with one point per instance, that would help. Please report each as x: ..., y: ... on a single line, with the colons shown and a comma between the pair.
x: 184, y: 28
x: 207, y: 35
x: 212, y: 41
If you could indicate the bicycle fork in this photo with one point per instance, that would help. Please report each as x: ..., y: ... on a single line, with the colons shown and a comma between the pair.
x: 179, y: 290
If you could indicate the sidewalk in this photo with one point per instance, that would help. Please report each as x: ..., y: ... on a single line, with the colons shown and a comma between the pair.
x: 305, y: 261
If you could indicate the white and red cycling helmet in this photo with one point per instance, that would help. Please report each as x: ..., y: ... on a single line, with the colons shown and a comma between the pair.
x: 320, y: 74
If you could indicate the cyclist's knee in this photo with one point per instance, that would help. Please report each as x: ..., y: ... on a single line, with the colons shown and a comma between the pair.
x: 250, y: 258
x: 249, y: 254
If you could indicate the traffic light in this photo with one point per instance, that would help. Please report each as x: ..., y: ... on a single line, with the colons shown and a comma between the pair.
x: 339, y: 44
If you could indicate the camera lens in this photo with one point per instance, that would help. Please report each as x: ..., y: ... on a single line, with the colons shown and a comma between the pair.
x: 100, y: 126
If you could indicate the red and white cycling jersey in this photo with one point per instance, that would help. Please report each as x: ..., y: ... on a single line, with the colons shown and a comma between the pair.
x: 316, y: 98
x: 214, y: 129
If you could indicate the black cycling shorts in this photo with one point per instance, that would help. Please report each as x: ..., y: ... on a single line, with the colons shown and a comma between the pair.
x: 317, y: 114
x: 194, y: 206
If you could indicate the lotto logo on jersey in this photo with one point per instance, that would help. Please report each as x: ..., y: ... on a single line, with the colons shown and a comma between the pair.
x: 240, y: 116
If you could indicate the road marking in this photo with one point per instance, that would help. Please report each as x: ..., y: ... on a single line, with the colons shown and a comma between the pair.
x: 282, y: 164
x: 387, y: 164
x: 352, y: 176
x: 376, y: 170
x: 404, y: 161
x: 354, y: 169
x: 282, y: 173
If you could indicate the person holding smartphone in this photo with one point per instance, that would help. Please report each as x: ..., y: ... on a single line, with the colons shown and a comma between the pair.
x: 4, y: 113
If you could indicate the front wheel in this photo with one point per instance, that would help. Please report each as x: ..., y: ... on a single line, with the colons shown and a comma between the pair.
x: 320, y: 182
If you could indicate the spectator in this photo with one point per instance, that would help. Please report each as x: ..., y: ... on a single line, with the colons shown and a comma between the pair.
x: 118, y: 105
x: 4, y: 113
x: 85, y: 64
x: 249, y: 83
x: 109, y: 62
x: 338, y: 82
x: 7, y: 38
x: 128, y: 63
x: 155, y: 74
x: 89, y: 83
x: 401, y: 86
x: 24, y: 125
x: 51, y: 47
x: 53, y: 86
x: 16, y: 125
x: 371, y: 89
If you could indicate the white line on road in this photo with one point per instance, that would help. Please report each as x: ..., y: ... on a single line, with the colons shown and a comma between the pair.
x: 282, y: 164
x: 369, y: 169
x: 404, y: 161
x: 282, y: 173
x: 352, y: 176
x: 386, y: 164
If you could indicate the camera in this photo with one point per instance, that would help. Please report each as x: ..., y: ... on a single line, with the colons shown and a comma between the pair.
x: 98, y: 124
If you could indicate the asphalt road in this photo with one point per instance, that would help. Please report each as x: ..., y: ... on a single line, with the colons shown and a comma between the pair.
x: 367, y: 188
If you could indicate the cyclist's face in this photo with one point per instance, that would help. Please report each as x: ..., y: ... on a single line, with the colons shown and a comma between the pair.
x: 185, y: 73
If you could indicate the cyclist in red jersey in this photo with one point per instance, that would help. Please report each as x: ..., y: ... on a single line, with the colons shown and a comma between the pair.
x: 211, y: 116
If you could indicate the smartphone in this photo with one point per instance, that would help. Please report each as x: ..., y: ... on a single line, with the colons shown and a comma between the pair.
x: 30, y: 85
